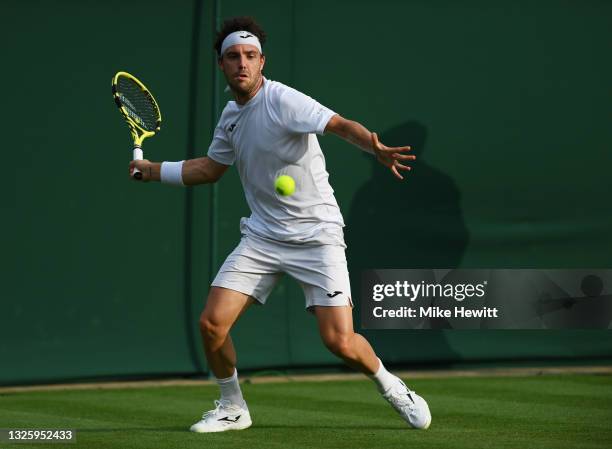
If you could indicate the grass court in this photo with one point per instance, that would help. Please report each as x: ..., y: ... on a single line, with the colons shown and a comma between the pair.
x: 548, y: 412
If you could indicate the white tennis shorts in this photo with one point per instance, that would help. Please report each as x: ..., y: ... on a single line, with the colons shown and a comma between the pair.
x: 257, y: 264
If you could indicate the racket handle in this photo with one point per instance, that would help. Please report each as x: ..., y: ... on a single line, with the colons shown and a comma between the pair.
x: 137, y: 156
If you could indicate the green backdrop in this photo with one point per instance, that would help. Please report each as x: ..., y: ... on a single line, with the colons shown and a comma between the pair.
x: 508, y: 106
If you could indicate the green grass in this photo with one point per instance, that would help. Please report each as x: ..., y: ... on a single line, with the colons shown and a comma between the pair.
x: 548, y: 412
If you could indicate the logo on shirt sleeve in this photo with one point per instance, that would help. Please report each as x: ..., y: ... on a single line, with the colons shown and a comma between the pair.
x: 231, y: 127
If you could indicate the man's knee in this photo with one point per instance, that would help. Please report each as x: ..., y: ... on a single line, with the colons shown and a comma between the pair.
x: 339, y: 343
x: 211, y: 329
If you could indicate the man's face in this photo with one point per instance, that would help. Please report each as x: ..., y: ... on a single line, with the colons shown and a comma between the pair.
x: 242, y: 66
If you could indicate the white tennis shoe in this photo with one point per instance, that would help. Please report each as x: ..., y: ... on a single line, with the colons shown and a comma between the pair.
x: 409, y: 405
x: 225, y: 416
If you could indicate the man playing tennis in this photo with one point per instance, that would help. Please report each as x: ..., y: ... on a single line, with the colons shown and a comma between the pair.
x: 270, y: 130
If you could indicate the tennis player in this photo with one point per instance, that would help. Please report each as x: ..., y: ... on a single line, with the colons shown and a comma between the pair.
x: 270, y: 130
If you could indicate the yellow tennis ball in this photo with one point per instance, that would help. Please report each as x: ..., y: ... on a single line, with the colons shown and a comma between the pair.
x: 284, y: 185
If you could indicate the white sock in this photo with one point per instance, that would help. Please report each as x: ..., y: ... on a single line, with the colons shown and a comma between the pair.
x: 230, y: 390
x: 383, y: 378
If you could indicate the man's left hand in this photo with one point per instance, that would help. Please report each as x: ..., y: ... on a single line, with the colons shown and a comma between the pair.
x: 390, y: 156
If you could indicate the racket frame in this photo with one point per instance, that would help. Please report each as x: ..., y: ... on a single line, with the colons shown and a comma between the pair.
x: 139, y: 134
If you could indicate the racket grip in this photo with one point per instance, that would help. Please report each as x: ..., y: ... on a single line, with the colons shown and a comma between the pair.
x: 137, y: 156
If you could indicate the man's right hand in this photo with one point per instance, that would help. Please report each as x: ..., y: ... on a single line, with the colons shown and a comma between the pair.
x: 150, y: 170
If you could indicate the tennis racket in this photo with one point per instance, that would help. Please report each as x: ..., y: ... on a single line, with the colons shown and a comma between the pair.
x: 139, y: 109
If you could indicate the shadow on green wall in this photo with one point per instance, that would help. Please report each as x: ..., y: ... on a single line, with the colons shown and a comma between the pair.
x: 414, y: 223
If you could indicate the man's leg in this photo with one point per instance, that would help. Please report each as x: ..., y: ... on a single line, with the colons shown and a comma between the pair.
x: 336, y: 329
x: 222, y: 310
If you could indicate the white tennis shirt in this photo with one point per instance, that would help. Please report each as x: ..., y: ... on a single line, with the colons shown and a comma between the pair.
x: 273, y: 134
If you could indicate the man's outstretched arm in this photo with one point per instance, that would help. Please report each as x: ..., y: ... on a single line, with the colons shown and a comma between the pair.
x: 358, y: 135
x: 202, y: 170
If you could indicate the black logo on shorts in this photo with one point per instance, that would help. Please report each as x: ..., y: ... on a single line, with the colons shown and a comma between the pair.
x: 231, y: 127
x: 336, y: 293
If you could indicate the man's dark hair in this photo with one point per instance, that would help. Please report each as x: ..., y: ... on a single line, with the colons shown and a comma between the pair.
x: 245, y: 23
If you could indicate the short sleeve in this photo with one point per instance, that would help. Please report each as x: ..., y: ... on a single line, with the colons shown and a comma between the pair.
x: 220, y: 149
x: 301, y: 114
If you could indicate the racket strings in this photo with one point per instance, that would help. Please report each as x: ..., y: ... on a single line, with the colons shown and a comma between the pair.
x: 140, y: 106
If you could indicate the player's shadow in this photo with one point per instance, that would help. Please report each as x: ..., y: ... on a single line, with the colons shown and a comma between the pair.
x: 412, y: 223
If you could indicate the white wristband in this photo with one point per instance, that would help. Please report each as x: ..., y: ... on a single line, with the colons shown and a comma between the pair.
x: 172, y: 173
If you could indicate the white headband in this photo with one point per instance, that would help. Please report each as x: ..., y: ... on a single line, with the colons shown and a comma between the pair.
x: 240, y: 37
